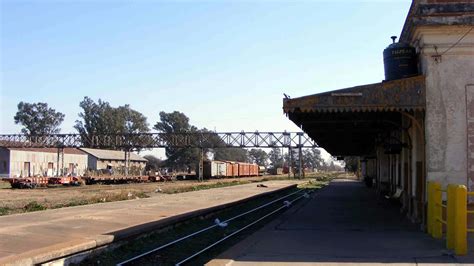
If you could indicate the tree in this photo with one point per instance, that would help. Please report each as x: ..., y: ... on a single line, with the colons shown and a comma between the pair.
x: 220, y: 151
x: 173, y: 123
x: 102, y: 119
x: 351, y: 163
x: 131, y: 121
x: 38, y: 118
x: 153, y: 164
x: 231, y: 154
x: 259, y: 157
x: 312, y: 158
x: 276, y: 158
x: 178, y: 158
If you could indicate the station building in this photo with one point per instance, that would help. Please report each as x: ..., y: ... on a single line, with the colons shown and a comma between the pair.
x: 408, y: 129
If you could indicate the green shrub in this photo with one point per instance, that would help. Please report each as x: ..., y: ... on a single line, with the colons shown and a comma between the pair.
x: 34, y: 206
x: 4, y: 210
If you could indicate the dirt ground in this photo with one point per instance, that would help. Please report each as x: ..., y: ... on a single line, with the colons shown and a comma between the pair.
x: 25, y: 200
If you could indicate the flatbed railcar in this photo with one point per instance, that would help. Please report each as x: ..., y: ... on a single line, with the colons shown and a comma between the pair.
x: 35, y: 182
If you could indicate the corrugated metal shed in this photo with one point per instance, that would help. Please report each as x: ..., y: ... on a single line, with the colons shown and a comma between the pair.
x: 112, y: 155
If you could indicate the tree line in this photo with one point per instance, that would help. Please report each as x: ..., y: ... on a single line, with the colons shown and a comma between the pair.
x: 100, y: 118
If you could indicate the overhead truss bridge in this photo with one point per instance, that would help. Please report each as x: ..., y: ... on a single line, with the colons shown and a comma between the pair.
x: 162, y: 140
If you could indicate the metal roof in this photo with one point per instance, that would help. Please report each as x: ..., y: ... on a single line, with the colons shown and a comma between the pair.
x: 398, y: 95
x: 112, y: 155
x: 348, y: 121
x: 49, y: 150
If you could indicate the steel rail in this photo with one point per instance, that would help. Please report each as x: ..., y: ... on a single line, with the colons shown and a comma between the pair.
x: 204, y: 230
x: 236, y: 232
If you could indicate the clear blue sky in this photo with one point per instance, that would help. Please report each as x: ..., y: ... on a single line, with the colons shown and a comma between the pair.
x: 226, y: 64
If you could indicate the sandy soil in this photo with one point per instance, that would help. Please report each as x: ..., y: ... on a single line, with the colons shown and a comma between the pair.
x: 25, y: 200
x: 15, y: 200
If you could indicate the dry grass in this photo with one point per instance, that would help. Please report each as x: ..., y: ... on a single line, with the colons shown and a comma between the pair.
x: 25, y: 200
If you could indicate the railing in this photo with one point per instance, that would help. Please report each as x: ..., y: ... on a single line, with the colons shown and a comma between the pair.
x: 456, y: 213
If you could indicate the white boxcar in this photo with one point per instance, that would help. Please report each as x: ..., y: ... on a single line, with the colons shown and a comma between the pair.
x: 214, y: 169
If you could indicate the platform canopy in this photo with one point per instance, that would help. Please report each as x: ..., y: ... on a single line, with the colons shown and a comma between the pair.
x: 350, y: 121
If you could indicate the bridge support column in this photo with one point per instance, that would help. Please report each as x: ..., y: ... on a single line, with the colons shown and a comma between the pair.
x: 300, y: 157
x: 201, y: 165
x: 127, y: 161
x: 60, y: 162
x: 290, y: 163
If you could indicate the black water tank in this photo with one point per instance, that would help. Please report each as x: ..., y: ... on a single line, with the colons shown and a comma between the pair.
x: 400, y: 61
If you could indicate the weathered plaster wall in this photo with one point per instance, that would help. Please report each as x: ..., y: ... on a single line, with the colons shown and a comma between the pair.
x: 448, y: 71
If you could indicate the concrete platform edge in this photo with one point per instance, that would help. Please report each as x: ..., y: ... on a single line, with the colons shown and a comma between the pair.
x: 69, y: 249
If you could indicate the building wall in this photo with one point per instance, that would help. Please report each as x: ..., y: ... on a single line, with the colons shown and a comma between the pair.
x: 448, y: 156
x: 38, y: 163
x: 4, y: 162
x: 91, y: 162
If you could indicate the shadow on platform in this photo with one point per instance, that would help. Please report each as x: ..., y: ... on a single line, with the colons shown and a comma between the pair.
x: 344, y: 223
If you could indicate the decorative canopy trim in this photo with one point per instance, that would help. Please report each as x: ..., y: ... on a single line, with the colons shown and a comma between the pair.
x: 398, y: 95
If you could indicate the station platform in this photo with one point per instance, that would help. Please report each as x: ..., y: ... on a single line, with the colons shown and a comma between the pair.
x: 37, y: 237
x: 344, y: 223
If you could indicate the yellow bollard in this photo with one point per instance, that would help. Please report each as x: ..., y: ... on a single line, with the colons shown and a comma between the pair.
x: 460, y: 220
x: 450, y: 212
x: 429, y: 219
x: 437, y: 211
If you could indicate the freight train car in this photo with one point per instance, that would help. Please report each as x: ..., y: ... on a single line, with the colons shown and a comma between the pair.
x: 233, y: 169
x: 220, y: 169
x: 215, y: 169
x: 244, y: 169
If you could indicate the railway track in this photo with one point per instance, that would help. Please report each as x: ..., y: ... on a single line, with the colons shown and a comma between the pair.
x: 223, y: 229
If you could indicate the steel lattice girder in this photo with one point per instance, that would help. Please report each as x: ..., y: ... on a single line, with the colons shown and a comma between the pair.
x: 161, y: 140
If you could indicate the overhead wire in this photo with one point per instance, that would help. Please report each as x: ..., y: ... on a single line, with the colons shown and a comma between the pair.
x: 457, y: 42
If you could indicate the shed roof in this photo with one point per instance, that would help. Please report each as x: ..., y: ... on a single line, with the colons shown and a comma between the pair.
x: 49, y: 150
x: 112, y: 155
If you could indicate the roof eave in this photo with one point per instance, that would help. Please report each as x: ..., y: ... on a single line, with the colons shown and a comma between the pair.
x: 436, y: 14
x: 399, y: 95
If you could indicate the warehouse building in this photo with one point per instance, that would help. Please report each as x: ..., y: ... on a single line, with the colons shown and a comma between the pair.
x: 111, y: 161
x: 27, y: 162
x: 418, y: 124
